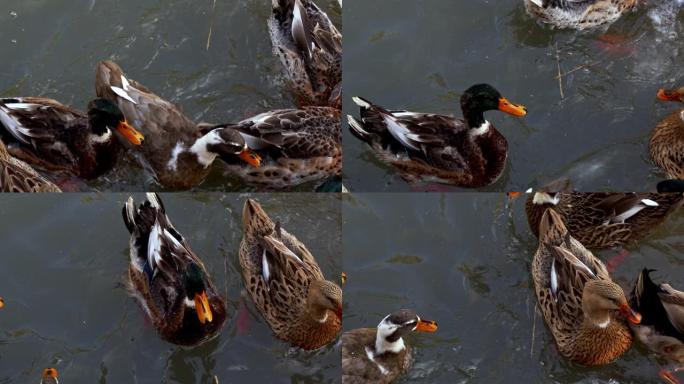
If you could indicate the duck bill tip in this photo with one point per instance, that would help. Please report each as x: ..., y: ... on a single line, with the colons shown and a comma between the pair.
x: 427, y: 326
x: 130, y: 133
x: 511, y: 108
x: 669, y: 95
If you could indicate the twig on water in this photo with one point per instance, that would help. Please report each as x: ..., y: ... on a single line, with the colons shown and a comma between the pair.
x: 560, y: 76
x: 583, y: 66
x: 534, y: 330
x: 211, y: 24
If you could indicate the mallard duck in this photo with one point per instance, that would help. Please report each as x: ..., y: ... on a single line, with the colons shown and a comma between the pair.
x: 17, y: 176
x: 662, y: 310
x: 584, y: 309
x: 177, y: 152
x: 168, y: 279
x: 286, y: 284
x: 297, y: 146
x: 578, y: 14
x: 667, y: 140
x: 51, y: 136
x: 379, y: 355
x: 602, y: 219
x: 310, y: 48
x: 49, y: 376
x: 467, y: 152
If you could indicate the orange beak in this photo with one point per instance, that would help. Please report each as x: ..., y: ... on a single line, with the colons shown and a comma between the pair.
x: 510, y: 108
x: 49, y: 372
x: 513, y: 195
x: 250, y: 158
x: 202, y: 307
x: 669, y: 95
x: 2, y: 302
x: 631, y: 315
x: 426, y: 326
x: 131, y: 134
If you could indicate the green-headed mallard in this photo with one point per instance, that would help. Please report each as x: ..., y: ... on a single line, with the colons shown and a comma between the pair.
x: 578, y: 14
x: 296, y: 146
x: 602, y: 219
x: 286, y: 283
x: 379, y: 355
x: 168, y: 279
x: 584, y: 309
x: 17, y: 176
x: 176, y: 151
x: 667, y: 140
x: 467, y: 152
x: 310, y: 48
x: 51, y: 136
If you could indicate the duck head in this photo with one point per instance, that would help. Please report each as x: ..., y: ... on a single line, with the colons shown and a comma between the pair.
x: 481, y: 98
x: 196, y: 293
x: 324, y: 297
x: 104, y: 116
x: 225, y: 143
x: 394, y: 326
x: 601, y: 299
x: 671, y: 94
x: 49, y: 376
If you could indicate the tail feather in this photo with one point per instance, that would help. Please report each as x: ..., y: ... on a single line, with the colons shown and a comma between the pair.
x: 363, y: 103
x: 142, y: 219
x: 129, y: 214
x: 357, y: 129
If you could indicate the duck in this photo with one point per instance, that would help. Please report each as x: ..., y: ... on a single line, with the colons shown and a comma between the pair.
x: 286, y: 284
x: 380, y: 355
x: 168, y: 279
x: 49, y: 376
x: 296, y: 146
x: 578, y: 14
x: 586, y: 312
x: 54, y: 137
x: 666, y: 145
x: 601, y: 220
x: 18, y: 176
x: 662, y: 309
x: 466, y: 152
x: 178, y: 152
x: 309, y: 46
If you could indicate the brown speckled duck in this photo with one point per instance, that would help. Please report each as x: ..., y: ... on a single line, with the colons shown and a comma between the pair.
x: 667, y: 140
x: 17, y: 176
x: 578, y: 14
x: 296, y: 146
x: 467, y: 152
x: 286, y: 284
x: 583, y: 308
x: 379, y: 355
x: 53, y: 137
x: 168, y: 279
x: 177, y: 152
x: 310, y: 48
x: 602, y: 219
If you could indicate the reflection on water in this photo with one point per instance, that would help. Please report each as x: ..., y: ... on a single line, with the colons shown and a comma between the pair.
x: 420, y: 55
x: 50, y: 49
x: 64, y: 258
x: 463, y: 260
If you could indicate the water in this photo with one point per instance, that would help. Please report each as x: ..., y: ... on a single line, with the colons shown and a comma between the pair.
x: 463, y: 260
x: 65, y: 257
x: 420, y: 55
x: 50, y: 48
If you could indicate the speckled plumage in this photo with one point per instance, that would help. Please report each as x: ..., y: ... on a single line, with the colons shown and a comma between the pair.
x: 578, y: 14
x: 358, y: 369
x: 17, y: 176
x: 577, y: 338
x: 667, y: 145
x: 314, y: 74
x: 283, y: 298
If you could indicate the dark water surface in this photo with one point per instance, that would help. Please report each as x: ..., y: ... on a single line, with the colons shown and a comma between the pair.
x: 421, y: 55
x: 50, y: 48
x: 64, y: 257
x: 463, y: 260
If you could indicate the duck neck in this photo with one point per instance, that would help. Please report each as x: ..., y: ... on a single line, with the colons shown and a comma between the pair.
x: 477, y: 123
x: 383, y: 345
x: 201, y: 150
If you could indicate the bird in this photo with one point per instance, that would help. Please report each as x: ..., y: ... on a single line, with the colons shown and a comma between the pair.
x: 380, y: 355
x: 578, y: 14
x: 54, y: 137
x: 178, y: 152
x: 49, y: 376
x: 666, y: 145
x: 309, y: 47
x: 168, y: 279
x: 18, y: 176
x: 286, y: 284
x: 584, y: 309
x: 467, y: 152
